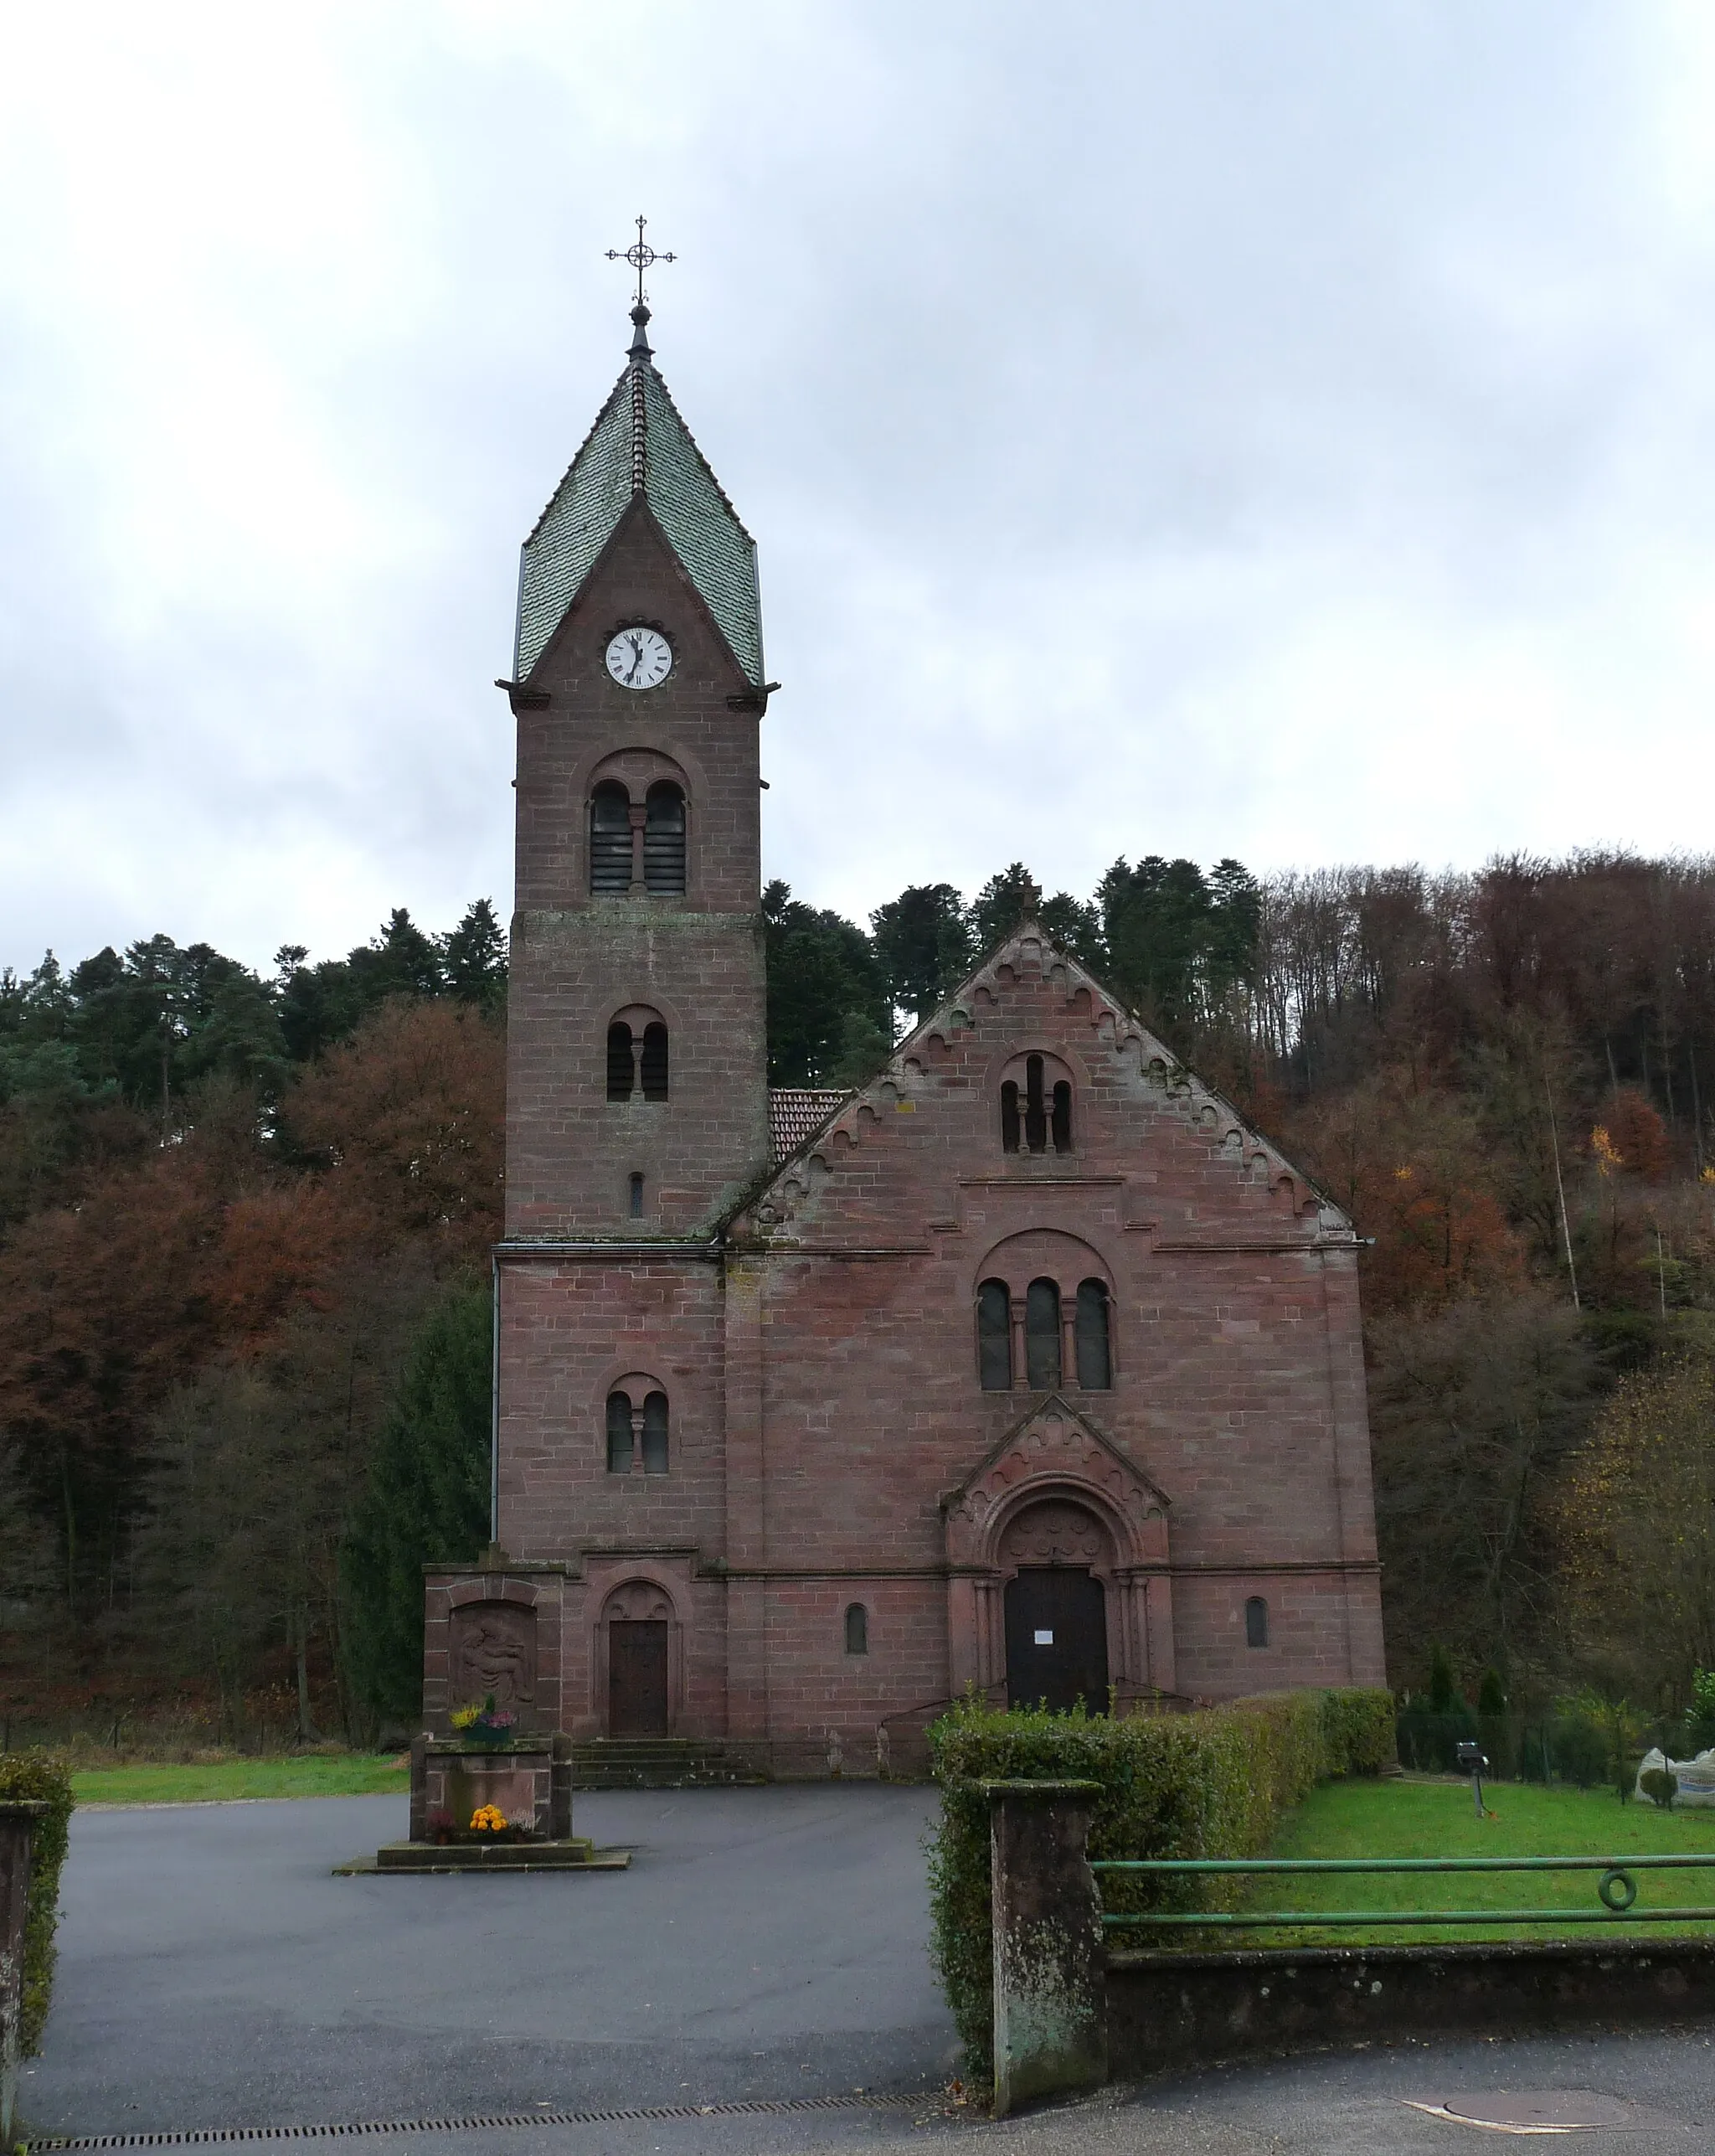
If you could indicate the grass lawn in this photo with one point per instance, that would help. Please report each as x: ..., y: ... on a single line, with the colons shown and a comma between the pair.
x: 308, y: 1774
x: 1425, y: 1817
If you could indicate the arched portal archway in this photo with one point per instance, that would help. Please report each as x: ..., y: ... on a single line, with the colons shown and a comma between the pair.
x: 1058, y: 1558
x: 638, y: 1635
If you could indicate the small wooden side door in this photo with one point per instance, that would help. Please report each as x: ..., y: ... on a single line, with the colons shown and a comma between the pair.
x: 637, y: 1678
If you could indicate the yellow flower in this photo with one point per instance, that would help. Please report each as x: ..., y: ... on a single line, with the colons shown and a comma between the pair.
x: 488, y: 1819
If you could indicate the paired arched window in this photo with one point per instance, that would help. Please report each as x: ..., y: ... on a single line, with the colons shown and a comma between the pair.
x: 637, y: 848
x: 637, y: 1431
x: 637, y: 1060
x: 856, y: 1628
x: 1036, y: 1105
x: 1035, y: 1341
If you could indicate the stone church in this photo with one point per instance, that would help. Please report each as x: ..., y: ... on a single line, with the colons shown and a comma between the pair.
x: 1027, y: 1366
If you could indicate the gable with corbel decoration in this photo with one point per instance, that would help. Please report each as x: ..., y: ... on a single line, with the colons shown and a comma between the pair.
x: 1057, y: 1449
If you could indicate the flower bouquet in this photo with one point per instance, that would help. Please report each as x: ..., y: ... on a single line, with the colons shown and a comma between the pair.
x: 487, y: 1824
x: 484, y: 1728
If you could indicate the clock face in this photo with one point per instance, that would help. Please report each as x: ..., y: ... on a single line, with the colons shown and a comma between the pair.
x: 639, y: 658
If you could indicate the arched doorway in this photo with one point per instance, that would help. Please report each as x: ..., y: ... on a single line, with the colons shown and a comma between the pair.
x: 1056, y: 1607
x: 637, y: 1620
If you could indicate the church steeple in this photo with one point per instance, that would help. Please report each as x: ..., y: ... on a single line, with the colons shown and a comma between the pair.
x: 639, y: 447
x: 637, y: 1087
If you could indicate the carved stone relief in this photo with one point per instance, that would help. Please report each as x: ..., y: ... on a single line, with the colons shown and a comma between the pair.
x: 493, y: 1649
x: 639, y: 1601
x: 1055, y: 1533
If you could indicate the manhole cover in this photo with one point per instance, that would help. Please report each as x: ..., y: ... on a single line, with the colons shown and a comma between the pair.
x: 1546, y: 2110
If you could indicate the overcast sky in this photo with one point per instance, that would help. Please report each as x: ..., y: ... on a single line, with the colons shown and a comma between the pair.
x: 1284, y: 430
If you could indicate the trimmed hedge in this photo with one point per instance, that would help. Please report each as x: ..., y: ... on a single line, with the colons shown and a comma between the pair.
x: 1210, y: 1784
x: 39, y: 1778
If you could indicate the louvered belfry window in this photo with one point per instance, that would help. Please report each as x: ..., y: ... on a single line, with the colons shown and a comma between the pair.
x: 610, y: 838
x: 664, y: 840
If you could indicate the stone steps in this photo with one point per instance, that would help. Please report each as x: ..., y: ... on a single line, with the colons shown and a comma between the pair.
x: 657, y: 1763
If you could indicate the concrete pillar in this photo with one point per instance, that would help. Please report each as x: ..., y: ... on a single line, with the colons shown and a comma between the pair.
x: 1050, y: 1987
x: 18, y: 1827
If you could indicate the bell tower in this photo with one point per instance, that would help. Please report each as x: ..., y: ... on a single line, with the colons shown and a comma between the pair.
x: 636, y: 1083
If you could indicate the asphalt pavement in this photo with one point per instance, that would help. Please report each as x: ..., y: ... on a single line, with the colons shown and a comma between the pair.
x: 758, y: 1982
x: 764, y: 1943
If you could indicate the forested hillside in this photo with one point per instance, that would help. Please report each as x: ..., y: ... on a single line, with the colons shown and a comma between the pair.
x: 243, y: 1227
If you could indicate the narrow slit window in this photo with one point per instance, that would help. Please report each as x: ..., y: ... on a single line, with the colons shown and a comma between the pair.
x: 637, y: 1198
x: 1063, y: 1117
x: 664, y: 840
x: 1009, y: 1117
x: 611, y: 837
x: 994, y: 1336
x: 655, y: 1434
x: 1035, y: 1122
x: 856, y: 1628
x: 619, y: 1433
x: 1090, y: 1331
x: 621, y: 1071
x: 1256, y: 1621
x: 655, y: 1061
x: 1042, y: 1336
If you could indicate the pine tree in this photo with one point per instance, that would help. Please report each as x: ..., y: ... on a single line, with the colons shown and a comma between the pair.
x: 426, y: 1502
x: 473, y: 957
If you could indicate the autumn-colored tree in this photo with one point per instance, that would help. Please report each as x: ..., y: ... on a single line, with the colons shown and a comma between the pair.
x: 1408, y: 1163
x: 1471, y: 1409
x: 409, y: 1117
x: 1635, y: 1522
x: 1637, y: 1135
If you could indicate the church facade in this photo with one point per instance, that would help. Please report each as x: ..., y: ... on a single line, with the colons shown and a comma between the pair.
x: 1025, y: 1366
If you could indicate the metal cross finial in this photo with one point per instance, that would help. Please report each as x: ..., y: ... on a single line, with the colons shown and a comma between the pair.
x: 640, y: 254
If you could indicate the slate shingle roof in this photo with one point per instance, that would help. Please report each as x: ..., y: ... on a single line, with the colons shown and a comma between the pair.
x: 794, y: 1112
x: 640, y: 445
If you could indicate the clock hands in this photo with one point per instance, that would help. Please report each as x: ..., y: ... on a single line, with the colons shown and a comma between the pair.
x: 639, y: 658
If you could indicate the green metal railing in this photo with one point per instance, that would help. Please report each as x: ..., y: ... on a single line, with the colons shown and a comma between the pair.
x: 1616, y: 1890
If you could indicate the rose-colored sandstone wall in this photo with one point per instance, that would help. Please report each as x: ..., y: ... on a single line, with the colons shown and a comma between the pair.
x: 830, y: 1440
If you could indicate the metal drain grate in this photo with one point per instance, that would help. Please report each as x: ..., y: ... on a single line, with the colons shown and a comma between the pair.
x: 211, y: 2136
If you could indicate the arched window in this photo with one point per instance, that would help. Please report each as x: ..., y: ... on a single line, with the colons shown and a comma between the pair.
x: 655, y: 1434
x: 1036, y: 1125
x: 636, y: 1439
x: 1042, y: 1336
x: 664, y: 840
x: 619, y: 1433
x: 621, y: 1063
x: 856, y: 1628
x: 636, y: 1197
x: 654, y: 1061
x: 610, y: 838
x: 1256, y: 1621
x: 994, y: 1336
x: 1036, y: 1104
x: 1090, y: 1331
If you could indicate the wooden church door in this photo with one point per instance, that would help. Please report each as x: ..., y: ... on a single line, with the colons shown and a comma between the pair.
x: 637, y: 1678
x: 1057, y: 1639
